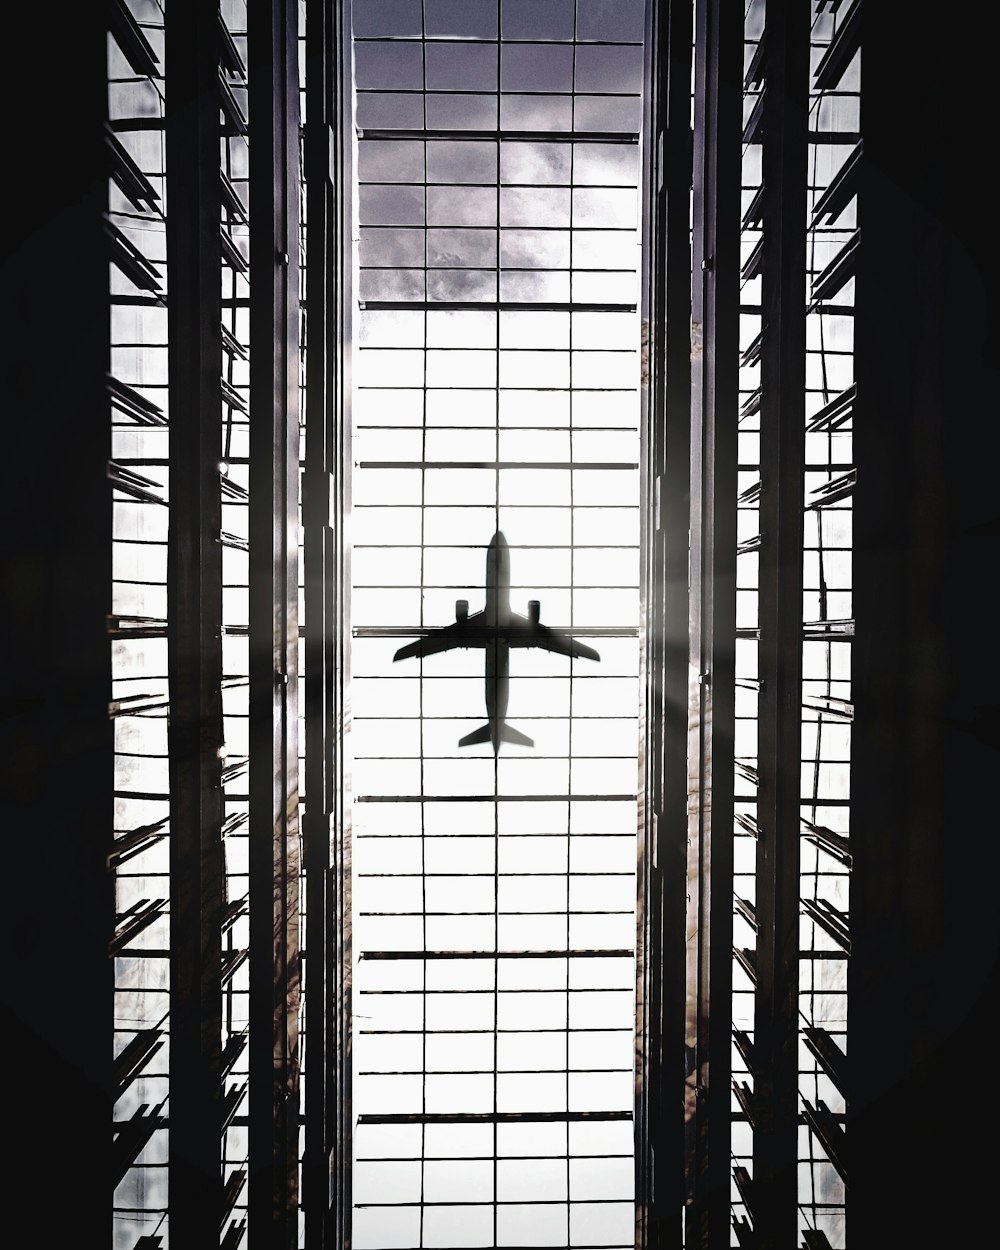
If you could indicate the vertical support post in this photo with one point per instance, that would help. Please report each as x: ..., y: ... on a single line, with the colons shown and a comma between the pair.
x: 195, y: 638
x: 711, y: 700
x: 325, y: 507
x: 924, y: 939
x: 782, y: 449
x: 274, y: 636
x: 666, y: 483
x: 56, y: 745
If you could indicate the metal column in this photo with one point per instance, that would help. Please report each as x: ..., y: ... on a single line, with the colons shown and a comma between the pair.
x: 666, y: 431
x: 775, y: 1053
x: 274, y: 635
x: 714, y: 403
x: 326, y: 504
x: 195, y: 639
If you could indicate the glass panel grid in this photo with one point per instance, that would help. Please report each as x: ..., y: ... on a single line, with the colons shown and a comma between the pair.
x: 496, y: 372
x: 235, y: 473
x: 140, y: 691
x: 747, y: 658
x: 140, y: 696
x: 828, y: 629
x: 828, y: 614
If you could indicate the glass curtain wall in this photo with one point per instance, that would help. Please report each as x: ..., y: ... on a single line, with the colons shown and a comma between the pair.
x: 832, y: 241
x: 496, y: 366
x: 181, y: 472
x: 234, y: 470
x: 796, y: 478
x: 138, y: 858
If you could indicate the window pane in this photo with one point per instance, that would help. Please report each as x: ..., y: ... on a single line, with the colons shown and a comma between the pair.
x: 537, y: 67
x: 504, y: 865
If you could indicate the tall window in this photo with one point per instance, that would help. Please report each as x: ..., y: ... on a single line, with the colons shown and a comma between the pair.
x: 138, y: 469
x: 792, y: 925
x: 496, y: 363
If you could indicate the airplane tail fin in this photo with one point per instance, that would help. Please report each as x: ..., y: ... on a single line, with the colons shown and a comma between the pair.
x: 507, y: 734
x: 482, y: 734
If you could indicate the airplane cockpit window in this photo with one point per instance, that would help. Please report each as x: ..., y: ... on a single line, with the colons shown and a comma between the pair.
x: 495, y: 612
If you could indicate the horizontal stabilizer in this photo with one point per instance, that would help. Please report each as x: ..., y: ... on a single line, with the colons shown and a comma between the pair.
x: 482, y: 734
x: 507, y: 734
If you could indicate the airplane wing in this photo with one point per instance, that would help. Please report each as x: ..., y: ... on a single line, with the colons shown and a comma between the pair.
x: 467, y: 633
x: 525, y: 634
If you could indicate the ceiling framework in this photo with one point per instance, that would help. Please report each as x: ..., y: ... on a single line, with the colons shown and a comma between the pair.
x: 757, y: 459
x: 497, y: 369
x: 610, y: 299
x: 211, y: 861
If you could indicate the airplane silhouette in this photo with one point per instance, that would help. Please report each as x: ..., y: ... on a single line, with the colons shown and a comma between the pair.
x: 496, y: 629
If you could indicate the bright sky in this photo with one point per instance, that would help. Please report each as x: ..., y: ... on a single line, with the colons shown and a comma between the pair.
x: 496, y: 369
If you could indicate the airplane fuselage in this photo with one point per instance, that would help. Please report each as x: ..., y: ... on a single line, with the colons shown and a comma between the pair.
x: 497, y: 582
x: 498, y: 650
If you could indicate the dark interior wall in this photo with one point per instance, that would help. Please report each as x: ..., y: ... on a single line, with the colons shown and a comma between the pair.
x: 924, y: 835
x: 55, y: 573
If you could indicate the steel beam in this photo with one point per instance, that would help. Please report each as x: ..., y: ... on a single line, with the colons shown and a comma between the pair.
x: 712, y: 673
x: 272, y: 1182
x: 665, y: 435
x: 782, y: 449
x: 325, y: 509
x: 194, y: 599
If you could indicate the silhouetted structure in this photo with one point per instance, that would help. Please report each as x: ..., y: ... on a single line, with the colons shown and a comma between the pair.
x: 496, y: 629
x: 158, y: 180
